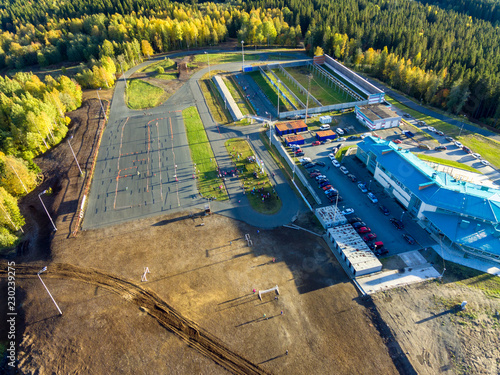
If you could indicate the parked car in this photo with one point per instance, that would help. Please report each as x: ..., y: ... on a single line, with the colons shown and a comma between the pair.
x: 321, y: 164
x: 449, y: 139
x: 335, y: 198
x: 339, y: 131
x: 299, y: 154
x: 358, y: 224
x: 458, y: 144
x: 362, y: 187
x: 348, y: 211
x: 316, y: 143
x: 431, y: 129
x: 439, y: 132
x: 369, y: 237
x: 424, y: 146
x: 372, y: 197
x: 331, y: 156
x: 397, y: 223
x: 344, y: 170
x: 320, y: 177
x: 339, y: 146
x: 341, y: 139
x: 398, y: 141
x: 294, y: 147
x: 314, y: 174
x: 476, y: 155
x: 324, y: 127
x: 353, y: 138
x: 327, y: 187
x: 335, y: 163
x: 409, y: 238
x: 331, y: 191
x: 384, y: 210
x: 363, y: 230
x: 298, y: 150
x: 305, y: 160
x: 467, y: 149
x: 352, y: 177
x: 353, y: 219
x: 309, y: 165
x: 485, y: 162
x: 421, y: 123
x: 406, y: 115
x: 438, y: 148
x: 324, y: 183
x: 295, y: 117
x: 382, y: 251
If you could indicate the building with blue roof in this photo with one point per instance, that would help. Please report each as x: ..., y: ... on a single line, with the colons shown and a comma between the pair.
x: 465, y: 215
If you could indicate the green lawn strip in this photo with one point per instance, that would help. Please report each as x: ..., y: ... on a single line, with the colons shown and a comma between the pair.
x: 167, y: 76
x: 345, y: 82
x: 202, y: 156
x: 240, y: 151
x: 270, y: 91
x: 487, y: 147
x: 214, y: 100
x: 450, y: 163
x: 294, y: 89
x: 165, y: 64
x: 222, y: 58
x: 240, y: 101
x: 141, y: 94
x: 319, y: 89
x: 341, y: 153
x: 285, y: 91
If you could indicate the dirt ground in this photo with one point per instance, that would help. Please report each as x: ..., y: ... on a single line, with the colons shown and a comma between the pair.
x: 437, y: 336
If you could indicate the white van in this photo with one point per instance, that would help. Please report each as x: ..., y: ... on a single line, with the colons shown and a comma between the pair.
x: 324, y: 127
x: 339, y: 131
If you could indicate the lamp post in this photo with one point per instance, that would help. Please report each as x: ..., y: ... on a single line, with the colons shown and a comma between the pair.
x: 278, y: 109
x: 403, y: 214
x: 43, y: 192
x: 307, y: 101
x: 369, y: 185
x: 242, y: 57
x: 47, y: 289
x: 208, y: 57
x: 106, y: 117
x: 462, y: 128
x: 270, y: 127
x: 123, y: 74
x: 73, y: 152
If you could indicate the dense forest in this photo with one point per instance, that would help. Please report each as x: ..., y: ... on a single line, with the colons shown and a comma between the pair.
x: 442, y: 52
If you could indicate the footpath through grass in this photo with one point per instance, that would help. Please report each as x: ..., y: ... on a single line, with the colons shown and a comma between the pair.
x: 259, y: 190
x: 222, y: 58
x: 141, y: 95
x: 450, y: 163
x: 487, y: 147
x: 209, y: 184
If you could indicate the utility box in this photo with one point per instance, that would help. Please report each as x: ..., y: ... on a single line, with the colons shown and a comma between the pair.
x: 325, y: 119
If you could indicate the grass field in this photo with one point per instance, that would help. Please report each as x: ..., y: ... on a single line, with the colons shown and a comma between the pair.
x: 222, y: 58
x: 269, y: 91
x: 214, y: 100
x: 238, y: 97
x: 344, y: 81
x: 450, y: 163
x: 295, y: 90
x: 167, y: 76
x: 141, y: 95
x: 320, y: 89
x: 202, y: 156
x: 165, y: 64
x: 488, y: 148
x: 285, y: 91
x: 240, y: 150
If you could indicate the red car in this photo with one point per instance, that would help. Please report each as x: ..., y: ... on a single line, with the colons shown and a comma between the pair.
x: 327, y: 187
x: 316, y: 143
x: 369, y: 237
x: 364, y: 230
x: 398, y: 141
x: 298, y: 150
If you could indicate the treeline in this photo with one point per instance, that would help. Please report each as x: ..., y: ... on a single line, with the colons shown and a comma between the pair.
x: 434, y: 40
x: 32, y: 120
x: 488, y: 10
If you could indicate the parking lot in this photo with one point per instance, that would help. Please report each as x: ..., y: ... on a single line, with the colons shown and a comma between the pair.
x: 354, y: 198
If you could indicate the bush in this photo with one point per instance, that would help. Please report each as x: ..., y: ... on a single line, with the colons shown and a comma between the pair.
x: 160, y: 70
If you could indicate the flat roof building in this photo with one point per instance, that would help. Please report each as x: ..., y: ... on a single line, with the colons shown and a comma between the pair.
x: 353, y: 250
x: 330, y: 216
x: 294, y: 140
x: 465, y: 215
x: 377, y: 116
x: 290, y: 127
x: 323, y: 135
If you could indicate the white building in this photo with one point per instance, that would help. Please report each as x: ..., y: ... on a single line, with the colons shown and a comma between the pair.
x: 353, y: 250
x: 330, y: 216
x: 377, y: 116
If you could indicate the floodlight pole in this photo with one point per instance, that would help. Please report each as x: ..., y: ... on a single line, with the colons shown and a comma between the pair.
x: 43, y: 192
x: 462, y: 128
x: 403, y: 214
x: 47, y: 289
x: 242, y: 57
x: 208, y: 57
x: 369, y: 185
x: 105, y: 117
x: 307, y: 101
x: 123, y: 74
x: 73, y: 152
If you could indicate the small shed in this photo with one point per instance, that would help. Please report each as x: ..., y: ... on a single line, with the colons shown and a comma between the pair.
x: 325, y: 119
x: 291, y: 127
x: 325, y: 134
x: 294, y: 140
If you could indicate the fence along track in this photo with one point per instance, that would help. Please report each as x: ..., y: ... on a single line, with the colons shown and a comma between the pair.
x: 167, y: 316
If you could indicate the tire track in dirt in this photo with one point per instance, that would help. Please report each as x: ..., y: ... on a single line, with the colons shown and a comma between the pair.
x: 168, y: 317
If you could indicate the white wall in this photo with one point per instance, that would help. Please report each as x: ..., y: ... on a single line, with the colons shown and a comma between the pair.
x: 398, y: 192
